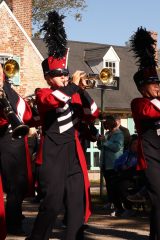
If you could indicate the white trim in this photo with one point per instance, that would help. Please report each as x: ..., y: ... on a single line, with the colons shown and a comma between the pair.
x: 111, y: 55
x: 65, y: 117
x: 60, y: 110
x: 67, y: 57
x: 67, y: 126
x: 93, y: 107
x: 61, y: 96
x: 91, y: 110
x: 3, y: 4
x: 156, y: 103
x: 6, y: 54
x: 21, y: 108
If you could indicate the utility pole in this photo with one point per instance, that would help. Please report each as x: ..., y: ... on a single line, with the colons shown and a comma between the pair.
x: 102, y: 133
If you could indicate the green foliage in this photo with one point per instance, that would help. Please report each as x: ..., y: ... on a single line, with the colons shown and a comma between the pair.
x: 42, y: 7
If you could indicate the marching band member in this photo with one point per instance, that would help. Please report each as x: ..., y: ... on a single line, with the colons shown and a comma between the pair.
x: 14, y: 156
x: 63, y: 171
x: 146, y: 114
x: 2, y: 214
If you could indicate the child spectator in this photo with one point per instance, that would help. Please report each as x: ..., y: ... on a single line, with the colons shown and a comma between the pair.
x: 125, y: 166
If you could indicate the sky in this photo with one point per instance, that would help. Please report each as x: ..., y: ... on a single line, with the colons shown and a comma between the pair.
x: 113, y: 22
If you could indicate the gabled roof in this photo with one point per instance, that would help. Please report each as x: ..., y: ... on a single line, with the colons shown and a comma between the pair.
x: 95, y: 53
x: 80, y: 51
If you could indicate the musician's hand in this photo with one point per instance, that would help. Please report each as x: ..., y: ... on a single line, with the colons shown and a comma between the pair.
x: 77, y: 76
x: 83, y: 82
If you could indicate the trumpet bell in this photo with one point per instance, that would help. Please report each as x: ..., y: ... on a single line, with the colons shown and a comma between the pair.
x: 11, y: 67
x: 106, y: 76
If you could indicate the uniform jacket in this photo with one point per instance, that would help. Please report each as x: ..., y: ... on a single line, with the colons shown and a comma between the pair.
x: 146, y: 115
x: 23, y: 112
x: 61, y: 112
x: 19, y: 106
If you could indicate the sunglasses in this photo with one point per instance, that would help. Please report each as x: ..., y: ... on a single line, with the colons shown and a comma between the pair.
x: 59, y: 72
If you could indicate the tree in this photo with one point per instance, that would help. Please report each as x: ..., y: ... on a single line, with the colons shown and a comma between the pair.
x: 41, y: 7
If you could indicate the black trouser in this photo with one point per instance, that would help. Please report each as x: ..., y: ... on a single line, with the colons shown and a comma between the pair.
x: 117, y: 188
x: 123, y: 181
x: 151, y: 149
x: 153, y: 186
x: 14, y: 176
x: 60, y: 174
x: 109, y: 175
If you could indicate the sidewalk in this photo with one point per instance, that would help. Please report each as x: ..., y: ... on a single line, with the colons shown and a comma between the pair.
x: 100, y: 226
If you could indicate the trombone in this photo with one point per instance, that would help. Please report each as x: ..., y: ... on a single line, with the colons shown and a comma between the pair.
x: 105, y: 76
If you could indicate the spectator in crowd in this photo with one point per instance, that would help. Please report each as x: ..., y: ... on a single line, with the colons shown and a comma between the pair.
x: 125, y: 131
x: 111, y: 146
x: 125, y: 166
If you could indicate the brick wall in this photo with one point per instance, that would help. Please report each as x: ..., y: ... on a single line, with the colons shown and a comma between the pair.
x: 22, y: 10
x: 14, y: 42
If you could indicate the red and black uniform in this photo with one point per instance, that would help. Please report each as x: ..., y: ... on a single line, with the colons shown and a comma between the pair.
x: 2, y: 214
x: 63, y: 170
x: 14, y: 160
x: 146, y: 114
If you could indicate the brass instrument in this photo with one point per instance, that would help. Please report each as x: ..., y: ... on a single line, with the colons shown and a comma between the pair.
x: 10, y: 68
x: 31, y: 100
x: 19, y: 129
x: 105, y: 76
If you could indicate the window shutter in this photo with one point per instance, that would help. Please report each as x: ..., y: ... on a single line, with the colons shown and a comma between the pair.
x: 16, y: 78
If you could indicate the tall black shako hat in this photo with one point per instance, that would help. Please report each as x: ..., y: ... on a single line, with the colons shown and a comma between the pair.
x: 144, y: 48
x: 56, y: 41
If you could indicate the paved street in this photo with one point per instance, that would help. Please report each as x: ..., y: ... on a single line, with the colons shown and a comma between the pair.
x: 100, y: 226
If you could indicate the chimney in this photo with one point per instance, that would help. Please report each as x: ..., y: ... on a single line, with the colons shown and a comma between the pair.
x: 22, y: 10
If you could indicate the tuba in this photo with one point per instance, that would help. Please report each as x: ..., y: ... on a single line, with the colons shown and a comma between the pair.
x: 19, y: 129
x: 105, y: 76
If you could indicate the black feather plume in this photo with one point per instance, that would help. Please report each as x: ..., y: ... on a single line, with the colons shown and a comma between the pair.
x: 55, y: 35
x: 144, y: 47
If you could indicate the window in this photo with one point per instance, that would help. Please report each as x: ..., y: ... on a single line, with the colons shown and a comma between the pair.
x: 112, y: 66
x: 111, y: 60
x: 3, y: 59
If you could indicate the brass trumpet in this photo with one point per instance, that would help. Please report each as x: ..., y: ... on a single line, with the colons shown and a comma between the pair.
x: 105, y: 76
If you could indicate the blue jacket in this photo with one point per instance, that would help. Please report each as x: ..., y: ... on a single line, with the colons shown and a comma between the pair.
x: 112, y: 148
x: 126, y: 161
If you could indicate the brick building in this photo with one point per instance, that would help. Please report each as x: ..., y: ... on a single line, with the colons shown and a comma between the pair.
x: 16, y: 29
